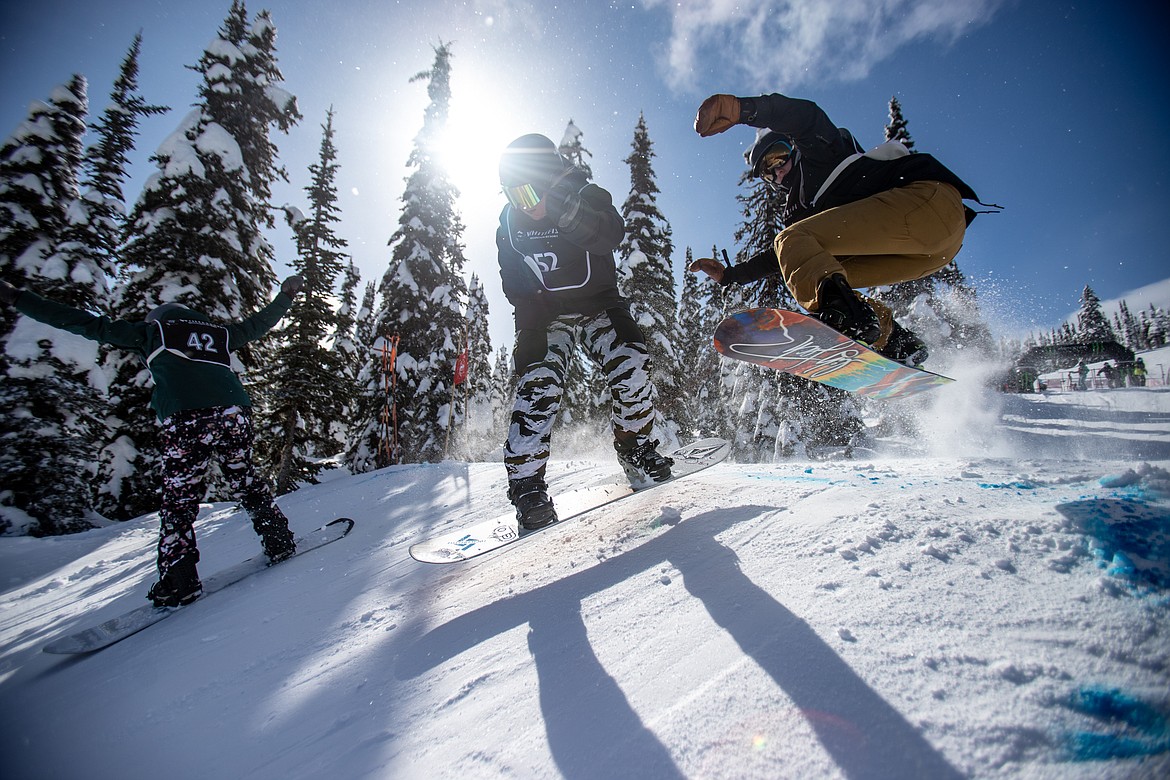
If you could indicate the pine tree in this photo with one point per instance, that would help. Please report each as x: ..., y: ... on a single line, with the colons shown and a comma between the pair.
x: 478, y: 432
x: 422, y: 293
x: 649, y: 279
x: 50, y: 410
x: 503, y: 392
x: 700, y: 402
x: 306, y: 386
x: 1092, y: 325
x: 350, y: 352
x: 573, y: 150
x: 197, y: 234
x: 365, y: 325
x: 896, y: 129
x: 103, y: 205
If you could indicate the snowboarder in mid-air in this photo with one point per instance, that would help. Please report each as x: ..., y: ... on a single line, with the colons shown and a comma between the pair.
x: 556, y: 239
x: 851, y: 219
x: 205, y: 412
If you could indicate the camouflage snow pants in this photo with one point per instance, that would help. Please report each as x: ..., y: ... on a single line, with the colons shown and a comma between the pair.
x: 190, y: 440
x: 616, y: 345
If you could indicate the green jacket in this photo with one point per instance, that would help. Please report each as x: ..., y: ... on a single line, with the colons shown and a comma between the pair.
x: 184, y: 378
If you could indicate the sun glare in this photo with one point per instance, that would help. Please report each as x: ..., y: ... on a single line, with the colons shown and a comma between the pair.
x: 482, y: 120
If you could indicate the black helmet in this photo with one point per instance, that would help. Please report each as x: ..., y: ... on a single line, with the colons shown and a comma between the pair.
x: 765, y: 140
x: 530, y: 159
x: 173, y: 310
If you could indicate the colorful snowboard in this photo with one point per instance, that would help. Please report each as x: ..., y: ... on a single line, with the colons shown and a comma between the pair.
x: 805, y: 347
x: 116, y: 629
x: 488, y: 535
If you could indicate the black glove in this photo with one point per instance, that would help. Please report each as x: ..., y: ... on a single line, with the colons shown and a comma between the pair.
x: 8, y: 293
x: 292, y: 285
x: 562, y: 203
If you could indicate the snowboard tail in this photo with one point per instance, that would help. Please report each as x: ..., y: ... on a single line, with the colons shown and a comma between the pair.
x: 804, y: 346
x: 116, y: 629
x: 488, y: 535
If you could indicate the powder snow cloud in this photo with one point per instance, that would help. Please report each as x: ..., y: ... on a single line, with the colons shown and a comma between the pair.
x: 780, y: 44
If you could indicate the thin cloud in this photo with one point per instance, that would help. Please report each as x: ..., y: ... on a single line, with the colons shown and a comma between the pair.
x: 780, y: 44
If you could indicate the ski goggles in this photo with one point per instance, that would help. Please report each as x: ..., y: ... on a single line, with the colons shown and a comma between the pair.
x: 775, y: 158
x: 524, y: 196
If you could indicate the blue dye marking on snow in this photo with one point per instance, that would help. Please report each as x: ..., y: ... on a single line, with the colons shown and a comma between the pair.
x: 1135, y: 728
x: 1129, y: 539
x: 1007, y: 485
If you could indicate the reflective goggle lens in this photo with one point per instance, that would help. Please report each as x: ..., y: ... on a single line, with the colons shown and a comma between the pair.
x: 773, y: 160
x: 522, y: 197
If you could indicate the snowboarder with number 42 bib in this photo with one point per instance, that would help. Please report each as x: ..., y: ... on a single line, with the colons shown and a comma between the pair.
x: 851, y: 218
x: 555, y: 241
x: 206, y: 414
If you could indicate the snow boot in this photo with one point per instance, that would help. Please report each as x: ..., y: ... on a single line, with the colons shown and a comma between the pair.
x: 278, y: 545
x: 904, y: 347
x: 178, y: 585
x: 643, y: 463
x: 534, y: 509
x: 846, y: 312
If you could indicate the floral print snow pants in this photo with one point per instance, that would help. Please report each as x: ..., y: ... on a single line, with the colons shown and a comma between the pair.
x: 190, y: 440
x: 616, y: 345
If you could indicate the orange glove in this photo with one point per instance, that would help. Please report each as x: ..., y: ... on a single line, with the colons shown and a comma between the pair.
x: 709, y: 266
x: 718, y: 113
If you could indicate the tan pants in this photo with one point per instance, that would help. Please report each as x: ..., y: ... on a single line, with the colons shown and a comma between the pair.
x: 895, y: 236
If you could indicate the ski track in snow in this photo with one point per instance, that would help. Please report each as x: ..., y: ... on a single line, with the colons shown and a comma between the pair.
x: 992, y: 612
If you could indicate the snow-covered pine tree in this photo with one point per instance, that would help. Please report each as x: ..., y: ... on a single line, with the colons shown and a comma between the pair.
x: 103, y: 203
x: 896, y: 129
x: 573, y: 150
x: 364, y: 326
x: 477, y: 437
x: 503, y: 392
x: 648, y: 281
x: 422, y: 294
x: 1092, y: 324
x: 196, y: 234
x: 50, y: 400
x: 700, y: 402
x: 1125, y: 325
x: 305, y: 386
x: 349, y: 352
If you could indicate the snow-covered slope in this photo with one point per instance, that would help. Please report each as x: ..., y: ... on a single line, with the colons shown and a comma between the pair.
x: 994, y: 605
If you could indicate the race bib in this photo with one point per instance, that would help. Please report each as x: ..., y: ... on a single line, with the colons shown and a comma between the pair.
x: 195, y: 340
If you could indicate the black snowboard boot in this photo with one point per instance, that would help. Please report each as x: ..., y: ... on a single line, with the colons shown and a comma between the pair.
x: 643, y: 463
x: 843, y: 310
x: 905, y: 347
x: 272, y: 526
x: 534, y: 509
x: 178, y: 586
x: 278, y: 546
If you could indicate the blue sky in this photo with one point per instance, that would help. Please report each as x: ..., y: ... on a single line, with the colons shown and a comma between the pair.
x: 1055, y: 110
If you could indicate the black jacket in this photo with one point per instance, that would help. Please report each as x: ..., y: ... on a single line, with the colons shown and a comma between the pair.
x: 822, y: 147
x: 549, y: 269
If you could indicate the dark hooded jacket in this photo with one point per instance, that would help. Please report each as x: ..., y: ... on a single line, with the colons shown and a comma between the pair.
x: 821, y: 149
x: 549, y: 269
x: 189, y: 356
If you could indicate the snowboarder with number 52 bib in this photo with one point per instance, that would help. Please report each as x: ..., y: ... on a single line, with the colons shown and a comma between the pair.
x: 556, y: 239
x: 851, y: 219
x: 205, y: 414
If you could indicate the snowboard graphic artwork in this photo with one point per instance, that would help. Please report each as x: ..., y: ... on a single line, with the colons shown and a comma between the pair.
x: 804, y: 346
x: 116, y: 629
x: 492, y: 534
